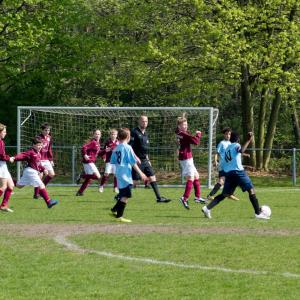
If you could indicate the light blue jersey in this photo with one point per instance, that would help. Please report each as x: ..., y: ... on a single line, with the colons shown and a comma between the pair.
x: 233, y: 158
x: 221, y: 151
x: 123, y: 158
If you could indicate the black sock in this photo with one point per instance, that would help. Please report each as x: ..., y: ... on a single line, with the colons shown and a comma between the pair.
x: 215, y: 189
x: 216, y: 201
x: 121, y: 208
x: 155, y: 189
x: 254, y: 203
x: 115, y: 208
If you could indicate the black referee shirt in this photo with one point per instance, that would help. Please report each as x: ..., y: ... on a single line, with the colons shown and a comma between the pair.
x: 139, y: 143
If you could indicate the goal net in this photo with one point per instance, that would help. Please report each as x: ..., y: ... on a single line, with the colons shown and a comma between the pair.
x: 71, y: 127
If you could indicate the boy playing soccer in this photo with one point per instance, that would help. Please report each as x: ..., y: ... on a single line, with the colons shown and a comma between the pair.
x: 124, y: 159
x: 31, y: 173
x: 185, y: 157
x: 6, y: 182
x: 46, y: 156
x: 235, y: 175
x: 90, y: 151
x: 219, y: 161
x: 109, y: 146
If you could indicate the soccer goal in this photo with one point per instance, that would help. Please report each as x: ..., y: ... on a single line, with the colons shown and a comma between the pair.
x: 71, y: 127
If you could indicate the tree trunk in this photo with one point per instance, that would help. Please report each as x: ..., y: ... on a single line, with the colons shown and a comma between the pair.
x: 261, y: 127
x: 296, y: 126
x: 247, y: 108
x: 271, y: 128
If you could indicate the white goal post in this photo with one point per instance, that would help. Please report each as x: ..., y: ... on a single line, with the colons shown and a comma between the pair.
x: 71, y: 127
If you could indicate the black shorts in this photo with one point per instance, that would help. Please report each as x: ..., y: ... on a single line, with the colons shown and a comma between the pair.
x: 125, y: 192
x: 146, y: 168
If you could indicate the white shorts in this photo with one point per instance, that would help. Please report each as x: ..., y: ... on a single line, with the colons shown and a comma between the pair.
x: 4, y: 173
x: 91, y: 169
x: 30, y: 177
x: 110, y: 168
x: 47, y: 165
x: 188, y: 168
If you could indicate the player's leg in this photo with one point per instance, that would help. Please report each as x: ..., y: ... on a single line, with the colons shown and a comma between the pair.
x: 197, y: 188
x: 184, y: 199
x: 36, y: 193
x: 91, y: 173
x: 7, y: 194
x: 118, y: 209
x: 103, y: 181
x: 188, y: 171
x: 229, y: 187
x: 217, y: 186
x: 149, y: 172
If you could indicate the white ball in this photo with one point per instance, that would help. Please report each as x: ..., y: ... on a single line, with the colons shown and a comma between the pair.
x: 266, y: 210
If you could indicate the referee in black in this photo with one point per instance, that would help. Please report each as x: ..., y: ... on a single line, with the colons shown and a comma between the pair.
x: 140, y: 143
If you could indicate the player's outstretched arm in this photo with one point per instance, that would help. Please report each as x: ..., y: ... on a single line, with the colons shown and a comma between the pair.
x: 249, y: 139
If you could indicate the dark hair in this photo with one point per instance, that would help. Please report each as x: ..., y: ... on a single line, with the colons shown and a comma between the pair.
x: 235, y: 137
x: 45, y: 126
x: 226, y: 129
x: 36, y: 140
x: 123, y: 134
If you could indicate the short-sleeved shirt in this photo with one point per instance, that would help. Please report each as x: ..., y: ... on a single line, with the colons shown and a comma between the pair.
x: 123, y: 157
x: 233, y: 158
x: 46, y: 151
x: 222, y: 146
x: 140, y: 143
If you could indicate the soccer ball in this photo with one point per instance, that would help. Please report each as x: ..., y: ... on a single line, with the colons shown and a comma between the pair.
x: 266, y: 210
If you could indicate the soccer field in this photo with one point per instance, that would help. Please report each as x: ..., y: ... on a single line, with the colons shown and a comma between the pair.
x: 77, y: 251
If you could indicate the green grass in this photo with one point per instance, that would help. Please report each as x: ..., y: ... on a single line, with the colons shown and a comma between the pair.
x: 37, y: 267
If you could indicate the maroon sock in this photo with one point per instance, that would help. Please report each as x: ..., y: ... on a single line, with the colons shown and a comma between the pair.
x: 47, y: 179
x: 115, y: 182
x: 197, y: 188
x: 6, y: 197
x: 104, y: 180
x: 44, y: 194
x: 85, y: 184
x: 188, y: 189
x: 36, y: 191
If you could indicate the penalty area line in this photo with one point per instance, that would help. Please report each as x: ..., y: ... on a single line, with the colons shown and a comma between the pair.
x: 60, y: 239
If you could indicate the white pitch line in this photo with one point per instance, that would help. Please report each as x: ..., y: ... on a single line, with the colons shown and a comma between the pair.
x: 60, y: 239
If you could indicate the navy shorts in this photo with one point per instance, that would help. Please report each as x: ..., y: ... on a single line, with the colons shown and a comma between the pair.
x: 234, y: 179
x: 125, y: 192
x: 146, y: 168
x: 222, y: 174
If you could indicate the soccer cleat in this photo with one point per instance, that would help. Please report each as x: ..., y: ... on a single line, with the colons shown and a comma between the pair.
x: 232, y: 197
x: 184, y: 202
x: 200, y: 200
x: 206, y: 212
x: 121, y: 219
x: 79, y: 194
x: 36, y: 196
x: 262, y: 216
x: 101, y: 189
x: 52, y: 203
x: 6, y: 209
x: 116, y: 190
x: 163, y: 200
